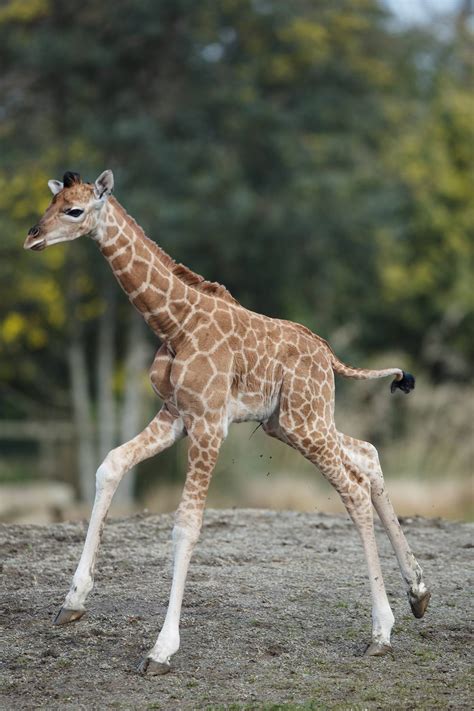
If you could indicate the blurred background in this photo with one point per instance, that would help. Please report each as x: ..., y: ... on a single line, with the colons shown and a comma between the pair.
x: 315, y: 156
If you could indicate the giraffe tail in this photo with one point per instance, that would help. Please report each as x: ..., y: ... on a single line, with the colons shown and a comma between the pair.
x: 403, y: 381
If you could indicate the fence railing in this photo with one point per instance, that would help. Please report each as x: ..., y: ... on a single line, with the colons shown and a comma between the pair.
x: 48, y: 435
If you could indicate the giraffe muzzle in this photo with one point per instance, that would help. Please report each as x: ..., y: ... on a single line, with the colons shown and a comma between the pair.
x: 34, y: 240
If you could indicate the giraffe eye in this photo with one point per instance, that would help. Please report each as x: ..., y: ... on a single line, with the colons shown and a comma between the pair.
x: 74, y: 212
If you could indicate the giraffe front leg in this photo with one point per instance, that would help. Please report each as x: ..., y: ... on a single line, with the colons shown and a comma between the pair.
x: 202, y: 455
x: 162, y: 431
x: 158, y: 659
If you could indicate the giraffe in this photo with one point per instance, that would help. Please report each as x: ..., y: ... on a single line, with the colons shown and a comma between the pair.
x: 220, y: 363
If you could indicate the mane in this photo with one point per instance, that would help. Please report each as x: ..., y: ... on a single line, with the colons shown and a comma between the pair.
x: 184, y: 274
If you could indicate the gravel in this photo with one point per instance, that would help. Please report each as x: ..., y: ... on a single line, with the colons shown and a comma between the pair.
x: 276, y: 615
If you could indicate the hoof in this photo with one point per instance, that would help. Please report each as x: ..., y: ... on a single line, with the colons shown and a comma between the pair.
x: 406, y: 384
x: 378, y: 649
x: 419, y: 605
x: 152, y: 668
x: 64, y: 616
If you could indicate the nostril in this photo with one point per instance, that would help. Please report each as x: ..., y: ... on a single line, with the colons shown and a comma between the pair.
x: 34, y: 231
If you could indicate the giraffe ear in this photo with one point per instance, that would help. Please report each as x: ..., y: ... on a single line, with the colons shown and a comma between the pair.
x: 104, y: 184
x: 55, y: 186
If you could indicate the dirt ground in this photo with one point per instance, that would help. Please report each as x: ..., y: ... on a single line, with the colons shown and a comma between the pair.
x: 276, y: 615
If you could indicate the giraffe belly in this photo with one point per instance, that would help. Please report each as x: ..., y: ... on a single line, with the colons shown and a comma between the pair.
x: 245, y: 407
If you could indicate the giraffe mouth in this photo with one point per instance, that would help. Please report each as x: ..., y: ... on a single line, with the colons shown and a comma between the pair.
x: 38, y: 246
x: 35, y: 246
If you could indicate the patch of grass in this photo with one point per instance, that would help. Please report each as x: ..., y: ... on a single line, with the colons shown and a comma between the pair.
x: 425, y: 654
x: 372, y: 695
x: 321, y: 663
x: 23, y: 658
x: 352, y: 634
x: 305, y: 706
x: 64, y: 662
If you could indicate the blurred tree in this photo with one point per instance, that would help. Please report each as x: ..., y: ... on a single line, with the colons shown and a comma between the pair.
x: 310, y: 155
x: 426, y: 253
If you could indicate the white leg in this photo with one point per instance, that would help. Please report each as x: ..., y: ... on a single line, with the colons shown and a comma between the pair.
x: 382, y: 615
x: 167, y: 644
x: 360, y: 510
x: 202, y: 456
x: 365, y: 457
x: 322, y: 448
x: 162, y: 431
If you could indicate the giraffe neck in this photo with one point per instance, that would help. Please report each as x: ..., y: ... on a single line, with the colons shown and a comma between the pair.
x: 144, y: 273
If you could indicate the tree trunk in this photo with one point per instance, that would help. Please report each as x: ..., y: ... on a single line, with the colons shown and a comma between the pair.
x: 106, y: 405
x: 82, y: 407
x: 132, y: 410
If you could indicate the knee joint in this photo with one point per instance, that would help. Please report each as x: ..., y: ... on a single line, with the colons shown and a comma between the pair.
x: 371, y: 464
x: 109, y: 471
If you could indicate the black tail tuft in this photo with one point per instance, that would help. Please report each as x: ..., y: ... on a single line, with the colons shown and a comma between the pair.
x: 407, y: 383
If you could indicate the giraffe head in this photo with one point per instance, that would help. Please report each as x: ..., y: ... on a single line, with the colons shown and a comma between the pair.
x: 75, y: 210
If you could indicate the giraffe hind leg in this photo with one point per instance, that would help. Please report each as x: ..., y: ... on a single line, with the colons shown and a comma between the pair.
x: 320, y: 446
x: 365, y: 456
x: 354, y: 489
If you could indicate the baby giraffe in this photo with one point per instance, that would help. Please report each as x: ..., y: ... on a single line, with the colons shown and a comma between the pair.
x: 220, y: 363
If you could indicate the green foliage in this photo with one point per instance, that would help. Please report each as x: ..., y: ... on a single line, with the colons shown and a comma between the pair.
x: 426, y: 254
x: 306, y: 154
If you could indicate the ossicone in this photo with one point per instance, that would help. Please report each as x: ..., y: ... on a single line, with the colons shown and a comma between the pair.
x: 70, y: 178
